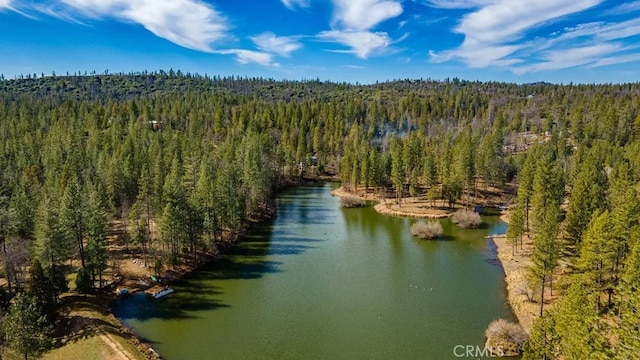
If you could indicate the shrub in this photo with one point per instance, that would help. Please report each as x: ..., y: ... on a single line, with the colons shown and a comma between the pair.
x: 351, y: 201
x: 427, y: 230
x: 83, y: 281
x: 466, y: 219
x: 506, y: 336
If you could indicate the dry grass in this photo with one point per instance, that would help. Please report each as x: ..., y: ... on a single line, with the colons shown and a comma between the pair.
x: 427, y: 230
x: 506, y: 330
x: 466, y: 219
x: 86, y: 348
x: 505, y: 337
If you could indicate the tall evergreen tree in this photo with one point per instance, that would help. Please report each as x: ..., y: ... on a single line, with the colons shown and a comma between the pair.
x: 587, y: 196
x: 73, y: 216
x: 546, y: 250
x: 40, y: 287
x: 25, y: 326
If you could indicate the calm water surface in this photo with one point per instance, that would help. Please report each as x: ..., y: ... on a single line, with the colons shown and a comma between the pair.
x: 323, y: 282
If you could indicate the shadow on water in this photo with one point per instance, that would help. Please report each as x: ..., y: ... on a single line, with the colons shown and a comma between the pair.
x: 306, y: 214
x: 446, y: 237
x: 195, y: 292
x: 184, y: 306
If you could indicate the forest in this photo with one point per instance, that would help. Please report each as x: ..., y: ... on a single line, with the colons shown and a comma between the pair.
x: 174, y: 165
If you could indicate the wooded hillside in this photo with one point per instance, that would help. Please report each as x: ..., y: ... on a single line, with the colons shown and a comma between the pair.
x: 180, y: 162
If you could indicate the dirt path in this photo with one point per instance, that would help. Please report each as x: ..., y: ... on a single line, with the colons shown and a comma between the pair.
x: 117, y: 351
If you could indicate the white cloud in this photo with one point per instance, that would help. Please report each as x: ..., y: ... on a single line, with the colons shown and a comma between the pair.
x: 355, y: 67
x: 250, y: 56
x: 616, y: 60
x: 364, y: 14
x: 625, y: 8
x: 508, y: 19
x: 459, y: 4
x: 291, y: 4
x: 189, y: 23
x: 495, y: 32
x: 362, y: 43
x: 281, y: 45
x: 353, y: 21
x: 568, y: 58
x: 5, y: 4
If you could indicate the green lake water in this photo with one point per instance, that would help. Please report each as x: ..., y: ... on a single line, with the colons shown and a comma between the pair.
x: 323, y: 282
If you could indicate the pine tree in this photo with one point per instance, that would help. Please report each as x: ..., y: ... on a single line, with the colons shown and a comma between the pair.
x: 73, y: 217
x: 546, y: 250
x: 547, y: 190
x: 97, y: 225
x: 629, y: 309
x: 397, y: 168
x: 578, y: 324
x: 525, y: 184
x: 544, y: 341
x: 516, y: 229
x: 206, y: 200
x: 25, y: 326
x: 52, y: 243
x: 587, y: 197
x: 598, y: 254
x: 40, y: 287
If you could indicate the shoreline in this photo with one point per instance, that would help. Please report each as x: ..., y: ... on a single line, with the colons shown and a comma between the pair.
x: 176, y: 274
x: 388, y: 207
x: 512, y: 267
x: 515, y: 267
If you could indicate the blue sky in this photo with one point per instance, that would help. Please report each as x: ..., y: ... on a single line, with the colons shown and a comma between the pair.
x: 362, y: 41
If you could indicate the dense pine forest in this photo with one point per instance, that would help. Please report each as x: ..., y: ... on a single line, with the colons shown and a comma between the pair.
x: 174, y: 165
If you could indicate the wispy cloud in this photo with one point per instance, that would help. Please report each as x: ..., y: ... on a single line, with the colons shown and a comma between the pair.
x: 568, y: 58
x: 614, y: 60
x: 353, y: 21
x: 362, y: 43
x: 291, y: 4
x: 355, y: 67
x: 249, y: 56
x: 497, y: 34
x: 459, y: 4
x: 5, y: 4
x: 280, y: 45
x: 193, y: 24
x: 625, y: 8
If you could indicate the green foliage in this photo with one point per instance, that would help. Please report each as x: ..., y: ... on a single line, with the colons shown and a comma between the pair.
x: 516, y: 228
x: 598, y: 255
x: 58, y: 280
x: 197, y: 157
x: 157, y: 267
x: 97, y: 226
x: 397, y: 167
x: 25, y: 326
x: 40, y: 287
x: 544, y: 341
x: 84, y: 284
x: 546, y: 250
x: 587, y: 197
x: 73, y: 216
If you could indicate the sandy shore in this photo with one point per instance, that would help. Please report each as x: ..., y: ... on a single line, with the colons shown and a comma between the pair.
x: 515, y: 269
x: 411, y: 207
